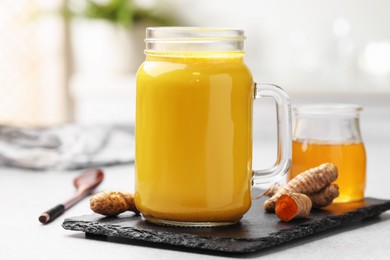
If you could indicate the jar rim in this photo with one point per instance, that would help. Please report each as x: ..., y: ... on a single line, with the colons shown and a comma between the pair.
x: 184, y: 33
x: 327, y: 109
x: 180, y: 41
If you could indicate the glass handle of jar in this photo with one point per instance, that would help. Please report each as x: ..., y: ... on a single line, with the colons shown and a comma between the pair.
x: 284, y: 132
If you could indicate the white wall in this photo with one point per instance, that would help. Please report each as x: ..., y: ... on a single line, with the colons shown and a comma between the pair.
x: 305, y: 45
x: 309, y: 47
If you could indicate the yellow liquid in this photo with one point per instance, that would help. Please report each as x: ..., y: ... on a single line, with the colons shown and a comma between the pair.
x: 194, y: 138
x: 350, y: 159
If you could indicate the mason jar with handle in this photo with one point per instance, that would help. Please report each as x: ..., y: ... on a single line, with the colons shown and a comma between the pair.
x: 194, y: 104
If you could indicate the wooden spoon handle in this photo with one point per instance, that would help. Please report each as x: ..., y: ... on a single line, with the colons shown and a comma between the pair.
x: 76, y: 198
x: 51, y: 214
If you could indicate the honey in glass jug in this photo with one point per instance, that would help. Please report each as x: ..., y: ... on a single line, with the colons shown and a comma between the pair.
x: 331, y: 133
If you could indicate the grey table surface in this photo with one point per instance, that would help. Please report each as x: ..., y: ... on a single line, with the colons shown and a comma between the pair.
x: 26, y: 194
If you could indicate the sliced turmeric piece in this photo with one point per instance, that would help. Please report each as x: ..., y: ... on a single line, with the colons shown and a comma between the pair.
x: 293, y: 205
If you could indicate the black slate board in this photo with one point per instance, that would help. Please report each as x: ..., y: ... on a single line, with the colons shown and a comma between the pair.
x: 256, y: 231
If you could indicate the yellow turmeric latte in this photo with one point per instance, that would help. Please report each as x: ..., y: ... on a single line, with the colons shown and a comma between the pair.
x: 350, y: 159
x: 194, y: 137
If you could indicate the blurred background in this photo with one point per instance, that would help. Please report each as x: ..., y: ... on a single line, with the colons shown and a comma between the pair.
x: 75, y: 60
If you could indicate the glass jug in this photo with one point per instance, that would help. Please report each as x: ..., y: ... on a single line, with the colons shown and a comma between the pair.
x: 194, y: 99
x: 331, y: 133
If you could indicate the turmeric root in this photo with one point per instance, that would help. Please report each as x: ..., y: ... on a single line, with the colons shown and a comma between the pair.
x: 272, y: 190
x: 320, y: 199
x: 325, y: 196
x: 289, y: 206
x: 112, y: 203
x: 308, y: 182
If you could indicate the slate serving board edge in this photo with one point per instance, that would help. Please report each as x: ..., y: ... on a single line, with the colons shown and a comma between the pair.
x: 222, y: 244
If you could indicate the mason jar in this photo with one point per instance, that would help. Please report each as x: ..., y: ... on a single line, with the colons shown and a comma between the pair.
x: 194, y: 100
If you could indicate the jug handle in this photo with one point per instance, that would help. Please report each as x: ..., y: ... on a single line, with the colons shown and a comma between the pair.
x: 284, y: 134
